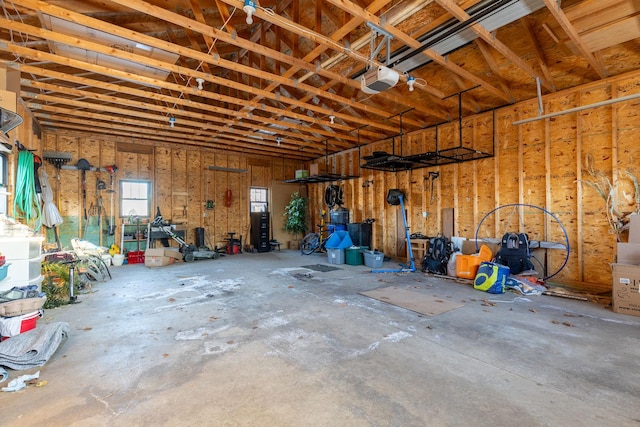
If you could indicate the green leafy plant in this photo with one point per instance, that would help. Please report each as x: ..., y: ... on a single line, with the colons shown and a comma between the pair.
x: 56, y: 284
x: 296, y: 214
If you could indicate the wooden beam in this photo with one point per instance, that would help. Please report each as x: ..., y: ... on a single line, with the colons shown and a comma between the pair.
x: 558, y: 14
x: 203, y: 57
x: 355, y: 10
x: 331, y: 43
x: 528, y: 31
x: 462, y: 16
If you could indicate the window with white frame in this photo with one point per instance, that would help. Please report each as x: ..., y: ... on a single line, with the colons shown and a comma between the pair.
x: 135, y: 198
x: 259, y: 199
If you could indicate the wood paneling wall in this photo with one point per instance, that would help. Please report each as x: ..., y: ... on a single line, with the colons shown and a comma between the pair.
x: 541, y: 163
x: 181, y: 183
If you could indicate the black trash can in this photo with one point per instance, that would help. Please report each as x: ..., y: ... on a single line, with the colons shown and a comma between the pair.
x: 360, y: 233
x: 200, y: 237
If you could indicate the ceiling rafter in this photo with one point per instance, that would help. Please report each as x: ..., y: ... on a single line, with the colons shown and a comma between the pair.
x: 528, y: 31
x: 330, y: 44
x: 55, y: 11
x: 558, y: 14
x: 281, y: 77
x: 170, y: 100
x: 110, y: 99
x: 462, y: 16
x: 483, y: 47
x: 175, y: 68
x: 349, y: 7
x: 230, y: 146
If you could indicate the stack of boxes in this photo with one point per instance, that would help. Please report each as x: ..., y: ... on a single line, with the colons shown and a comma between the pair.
x: 161, y: 256
x: 626, y: 272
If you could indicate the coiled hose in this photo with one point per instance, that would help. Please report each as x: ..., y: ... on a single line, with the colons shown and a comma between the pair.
x: 25, y: 204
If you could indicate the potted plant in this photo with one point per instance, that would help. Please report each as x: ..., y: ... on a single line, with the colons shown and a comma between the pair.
x: 296, y: 217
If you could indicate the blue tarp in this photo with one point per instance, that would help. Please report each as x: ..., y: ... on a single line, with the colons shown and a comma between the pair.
x: 339, y: 240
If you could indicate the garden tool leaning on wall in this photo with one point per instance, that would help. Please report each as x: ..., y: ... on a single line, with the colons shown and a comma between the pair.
x: 100, y: 186
x: 112, y: 169
x: 83, y: 165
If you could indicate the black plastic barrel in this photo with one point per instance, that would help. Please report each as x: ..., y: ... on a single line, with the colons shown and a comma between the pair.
x: 199, y: 237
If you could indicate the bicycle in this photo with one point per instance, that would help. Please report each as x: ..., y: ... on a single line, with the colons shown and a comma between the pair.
x: 315, y: 242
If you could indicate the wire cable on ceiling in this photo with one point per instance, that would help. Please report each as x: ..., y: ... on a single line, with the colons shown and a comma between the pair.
x: 23, y: 37
x: 213, y: 44
x: 336, y: 46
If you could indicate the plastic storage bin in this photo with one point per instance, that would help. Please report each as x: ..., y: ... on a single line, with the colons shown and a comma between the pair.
x: 353, y: 255
x: 467, y: 265
x: 20, y: 247
x: 339, y: 240
x: 3, y: 271
x: 373, y: 259
x: 335, y: 256
x: 135, y: 257
x: 24, y: 270
x: 28, y: 323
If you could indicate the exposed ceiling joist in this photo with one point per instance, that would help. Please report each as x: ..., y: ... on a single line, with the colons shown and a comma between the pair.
x: 287, y: 85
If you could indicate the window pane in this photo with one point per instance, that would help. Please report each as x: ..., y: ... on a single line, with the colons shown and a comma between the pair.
x: 135, y: 198
x: 258, y: 200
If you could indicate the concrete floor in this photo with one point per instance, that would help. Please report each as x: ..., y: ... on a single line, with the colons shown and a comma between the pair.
x: 255, y: 340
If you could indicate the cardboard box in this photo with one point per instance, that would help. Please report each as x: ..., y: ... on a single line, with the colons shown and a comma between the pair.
x: 469, y: 247
x: 317, y: 169
x: 159, y: 257
x: 157, y: 261
x: 628, y: 253
x: 154, y: 252
x: 294, y: 244
x: 626, y: 290
x: 173, y: 253
x: 634, y: 228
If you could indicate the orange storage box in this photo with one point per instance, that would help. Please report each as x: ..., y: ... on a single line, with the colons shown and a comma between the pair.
x: 467, y: 265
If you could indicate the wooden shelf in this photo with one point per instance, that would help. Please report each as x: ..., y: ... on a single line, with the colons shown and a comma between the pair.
x: 419, y: 248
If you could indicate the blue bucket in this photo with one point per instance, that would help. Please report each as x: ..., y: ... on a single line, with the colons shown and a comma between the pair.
x: 332, y: 228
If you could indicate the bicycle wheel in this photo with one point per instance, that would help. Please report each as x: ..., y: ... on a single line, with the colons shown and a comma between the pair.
x: 309, y: 243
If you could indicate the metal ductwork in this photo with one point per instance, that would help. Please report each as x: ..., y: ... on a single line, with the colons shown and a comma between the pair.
x: 453, y: 34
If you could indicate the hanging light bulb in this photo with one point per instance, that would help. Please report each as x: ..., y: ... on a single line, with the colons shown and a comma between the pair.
x: 249, y: 8
x: 411, y: 81
x: 200, y: 81
x: 278, y: 139
x: 332, y: 119
x: 172, y: 121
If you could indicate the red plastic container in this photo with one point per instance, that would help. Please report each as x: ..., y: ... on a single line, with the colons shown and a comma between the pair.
x: 2, y: 260
x: 135, y: 257
x: 28, y: 323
